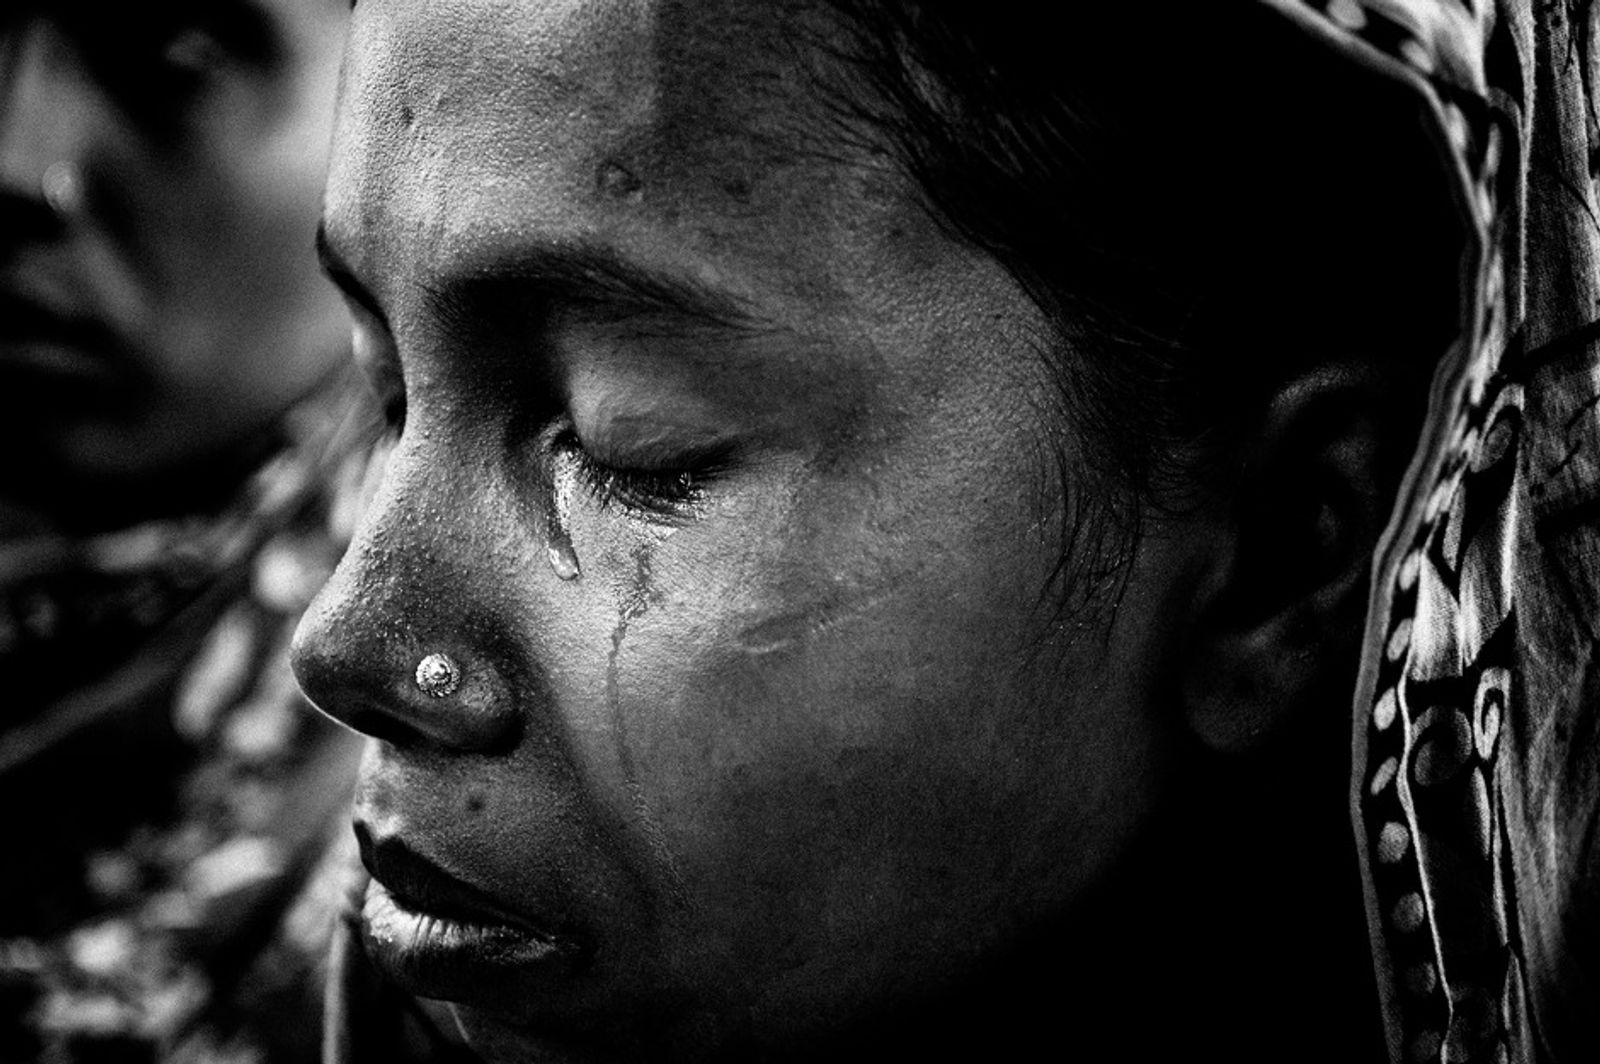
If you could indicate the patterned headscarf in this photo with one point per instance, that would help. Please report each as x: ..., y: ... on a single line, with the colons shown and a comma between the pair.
x: 1476, y: 762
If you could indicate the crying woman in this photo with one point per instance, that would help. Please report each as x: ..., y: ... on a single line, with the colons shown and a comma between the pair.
x: 915, y: 529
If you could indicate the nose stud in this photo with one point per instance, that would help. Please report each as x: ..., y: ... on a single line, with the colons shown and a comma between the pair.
x: 62, y: 188
x: 438, y: 675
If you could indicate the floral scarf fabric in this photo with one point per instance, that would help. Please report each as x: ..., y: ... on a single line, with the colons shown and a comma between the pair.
x: 176, y: 816
x: 1476, y: 774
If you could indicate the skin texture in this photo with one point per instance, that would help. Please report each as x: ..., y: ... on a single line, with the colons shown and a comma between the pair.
x: 152, y: 332
x: 808, y: 742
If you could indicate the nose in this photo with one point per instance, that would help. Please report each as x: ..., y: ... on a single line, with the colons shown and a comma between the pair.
x: 406, y: 642
x: 50, y: 112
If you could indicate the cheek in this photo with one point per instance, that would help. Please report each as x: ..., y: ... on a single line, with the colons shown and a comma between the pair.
x: 849, y: 729
x: 239, y: 304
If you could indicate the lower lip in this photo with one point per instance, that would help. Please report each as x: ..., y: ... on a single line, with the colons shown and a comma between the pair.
x: 451, y: 959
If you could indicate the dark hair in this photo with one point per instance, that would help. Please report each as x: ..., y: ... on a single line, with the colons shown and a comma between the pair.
x: 1186, y: 190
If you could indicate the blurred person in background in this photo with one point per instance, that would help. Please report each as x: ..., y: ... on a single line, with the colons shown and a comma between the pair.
x: 180, y: 447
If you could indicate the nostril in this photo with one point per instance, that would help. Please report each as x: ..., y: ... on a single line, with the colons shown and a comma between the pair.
x: 369, y: 720
x: 383, y: 727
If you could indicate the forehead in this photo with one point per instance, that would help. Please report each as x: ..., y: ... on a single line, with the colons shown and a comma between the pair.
x: 580, y: 119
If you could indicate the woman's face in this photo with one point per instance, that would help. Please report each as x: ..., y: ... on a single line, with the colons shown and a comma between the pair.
x: 729, y: 482
x: 161, y: 167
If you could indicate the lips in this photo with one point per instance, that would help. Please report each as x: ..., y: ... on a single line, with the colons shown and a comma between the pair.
x: 442, y: 938
x: 40, y: 337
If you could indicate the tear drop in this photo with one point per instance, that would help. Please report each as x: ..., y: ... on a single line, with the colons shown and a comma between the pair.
x: 563, y: 559
x: 558, y: 548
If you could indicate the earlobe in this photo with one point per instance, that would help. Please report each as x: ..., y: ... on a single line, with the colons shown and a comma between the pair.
x: 1275, y: 632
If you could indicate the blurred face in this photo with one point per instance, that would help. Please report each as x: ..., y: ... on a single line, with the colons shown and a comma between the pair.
x: 725, y: 513
x: 160, y: 174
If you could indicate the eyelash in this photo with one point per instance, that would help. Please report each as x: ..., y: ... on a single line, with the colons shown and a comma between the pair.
x: 662, y: 495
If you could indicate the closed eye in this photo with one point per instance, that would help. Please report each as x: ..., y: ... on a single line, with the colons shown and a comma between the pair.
x: 669, y: 494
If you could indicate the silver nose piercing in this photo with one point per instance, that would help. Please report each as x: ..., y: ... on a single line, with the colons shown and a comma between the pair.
x: 438, y: 675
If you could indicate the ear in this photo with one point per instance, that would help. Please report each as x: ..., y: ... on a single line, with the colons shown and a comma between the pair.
x: 1277, y: 626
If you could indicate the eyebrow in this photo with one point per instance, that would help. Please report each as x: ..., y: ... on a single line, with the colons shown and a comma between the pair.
x: 569, y: 276
x: 592, y: 279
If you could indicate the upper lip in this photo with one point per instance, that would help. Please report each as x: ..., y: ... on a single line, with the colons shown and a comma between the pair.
x: 422, y: 886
